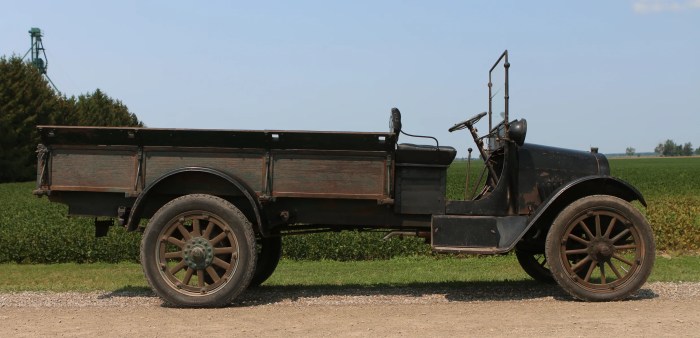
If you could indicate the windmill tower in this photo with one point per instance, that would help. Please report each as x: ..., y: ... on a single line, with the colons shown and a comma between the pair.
x: 37, y: 51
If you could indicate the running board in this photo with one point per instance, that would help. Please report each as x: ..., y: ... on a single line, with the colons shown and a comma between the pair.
x: 476, y: 234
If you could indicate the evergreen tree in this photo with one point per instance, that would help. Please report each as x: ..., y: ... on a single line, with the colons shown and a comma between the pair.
x: 98, y: 109
x: 26, y: 100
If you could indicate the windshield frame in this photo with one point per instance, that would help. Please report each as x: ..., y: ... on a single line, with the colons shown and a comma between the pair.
x: 506, y: 66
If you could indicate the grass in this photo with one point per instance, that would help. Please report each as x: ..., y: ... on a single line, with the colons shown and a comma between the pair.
x: 447, y: 270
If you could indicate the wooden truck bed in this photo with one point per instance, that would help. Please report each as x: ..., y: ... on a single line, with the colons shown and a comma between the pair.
x: 272, y: 163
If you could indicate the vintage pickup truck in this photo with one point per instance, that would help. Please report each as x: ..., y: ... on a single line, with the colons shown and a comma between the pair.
x: 218, y: 201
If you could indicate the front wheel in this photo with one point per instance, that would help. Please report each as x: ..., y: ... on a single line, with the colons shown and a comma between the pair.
x: 198, y: 251
x: 600, y: 248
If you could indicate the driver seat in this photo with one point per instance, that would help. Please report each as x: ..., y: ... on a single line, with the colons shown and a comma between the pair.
x: 409, y: 153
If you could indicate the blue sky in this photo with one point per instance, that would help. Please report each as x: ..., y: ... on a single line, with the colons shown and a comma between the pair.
x: 610, y: 74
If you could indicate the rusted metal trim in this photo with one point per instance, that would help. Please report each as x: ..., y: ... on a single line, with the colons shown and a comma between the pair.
x: 422, y: 165
x: 252, y: 151
x: 480, y: 251
x: 327, y: 195
x: 90, y: 189
x: 330, y: 154
x: 94, y: 147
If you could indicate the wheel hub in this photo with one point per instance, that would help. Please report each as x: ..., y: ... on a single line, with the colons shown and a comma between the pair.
x: 601, y: 250
x: 198, y: 253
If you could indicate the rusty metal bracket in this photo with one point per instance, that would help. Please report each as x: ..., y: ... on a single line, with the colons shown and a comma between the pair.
x: 385, y: 201
x: 389, y: 176
x: 266, y: 198
x: 43, y: 165
x: 139, y: 171
x: 267, y: 188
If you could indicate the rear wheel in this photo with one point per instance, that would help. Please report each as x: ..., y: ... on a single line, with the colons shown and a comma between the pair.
x: 198, y: 251
x: 600, y: 248
x: 269, y: 254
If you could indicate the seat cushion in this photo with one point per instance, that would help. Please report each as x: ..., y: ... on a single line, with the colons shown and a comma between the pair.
x: 425, y: 154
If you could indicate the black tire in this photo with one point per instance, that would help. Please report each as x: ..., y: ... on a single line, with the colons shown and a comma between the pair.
x: 194, y: 236
x: 269, y: 254
x: 594, y: 234
x: 535, y: 265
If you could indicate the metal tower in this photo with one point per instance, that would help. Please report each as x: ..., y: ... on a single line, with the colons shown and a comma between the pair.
x: 37, y: 50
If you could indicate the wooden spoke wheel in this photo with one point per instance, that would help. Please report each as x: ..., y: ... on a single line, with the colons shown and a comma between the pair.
x: 198, y: 251
x: 535, y: 265
x: 600, y: 248
x: 269, y: 254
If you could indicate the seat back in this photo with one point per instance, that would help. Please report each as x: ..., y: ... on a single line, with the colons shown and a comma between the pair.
x: 395, y: 122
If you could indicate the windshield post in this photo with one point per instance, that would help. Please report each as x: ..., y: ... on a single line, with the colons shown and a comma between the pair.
x: 502, y: 86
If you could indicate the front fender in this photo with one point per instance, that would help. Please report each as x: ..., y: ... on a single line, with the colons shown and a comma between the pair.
x: 581, y: 187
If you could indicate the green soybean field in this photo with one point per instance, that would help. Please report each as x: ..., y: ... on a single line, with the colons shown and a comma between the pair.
x: 33, y: 230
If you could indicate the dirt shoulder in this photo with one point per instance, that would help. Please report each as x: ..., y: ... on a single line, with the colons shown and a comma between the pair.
x: 493, y: 309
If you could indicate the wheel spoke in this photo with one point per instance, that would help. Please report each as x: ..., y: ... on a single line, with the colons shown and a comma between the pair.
x: 576, y: 251
x: 196, y: 229
x: 178, y: 267
x: 221, y: 263
x: 591, y: 268
x: 174, y: 254
x: 598, y: 232
x: 580, y: 264
x: 625, y: 247
x: 212, y: 273
x: 221, y: 251
x: 176, y: 242
x: 585, y: 229
x: 208, y: 230
x: 614, y: 270
x: 621, y: 235
x: 608, y: 231
x: 602, y: 273
x: 622, y: 259
x: 578, y: 239
x: 218, y: 238
x: 188, y: 276
x: 200, y: 278
x: 185, y: 234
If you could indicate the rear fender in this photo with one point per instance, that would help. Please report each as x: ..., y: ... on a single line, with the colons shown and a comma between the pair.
x: 230, y: 183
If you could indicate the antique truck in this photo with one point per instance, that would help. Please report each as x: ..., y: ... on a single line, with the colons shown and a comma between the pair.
x: 218, y: 201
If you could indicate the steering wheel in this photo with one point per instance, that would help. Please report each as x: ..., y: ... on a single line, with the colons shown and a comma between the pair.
x: 468, y: 122
x: 492, y: 182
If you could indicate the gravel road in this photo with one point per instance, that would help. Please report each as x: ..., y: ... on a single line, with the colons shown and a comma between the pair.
x: 476, y: 309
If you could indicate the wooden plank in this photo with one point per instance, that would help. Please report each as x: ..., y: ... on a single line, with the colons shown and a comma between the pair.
x: 323, y: 176
x: 94, y: 167
x: 246, y: 165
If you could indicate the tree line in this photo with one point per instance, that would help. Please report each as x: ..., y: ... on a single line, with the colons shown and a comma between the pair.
x: 27, y: 100
x: 670, y: 148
